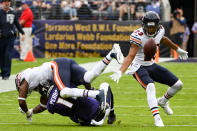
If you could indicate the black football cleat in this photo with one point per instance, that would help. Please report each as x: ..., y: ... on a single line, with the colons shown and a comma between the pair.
x: 102, y: 97
x: 111, y: 118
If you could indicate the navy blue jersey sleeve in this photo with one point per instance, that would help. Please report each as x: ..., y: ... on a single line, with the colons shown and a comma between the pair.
x: 18, y: 26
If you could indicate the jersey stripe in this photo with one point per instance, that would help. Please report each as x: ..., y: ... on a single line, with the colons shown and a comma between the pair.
x: 135, y: 43
x: 56, y: 76
x: 136, y: 37
x: 140, y: 81
x: 135, y: 40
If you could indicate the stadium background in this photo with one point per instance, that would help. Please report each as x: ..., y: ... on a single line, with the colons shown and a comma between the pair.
x: 131, y: 106
x: 100, y: 25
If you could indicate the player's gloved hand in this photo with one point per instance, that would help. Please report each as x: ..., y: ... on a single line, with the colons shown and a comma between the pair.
x: 29, y: 115
x: 116, y: 76
x: 182, y: 54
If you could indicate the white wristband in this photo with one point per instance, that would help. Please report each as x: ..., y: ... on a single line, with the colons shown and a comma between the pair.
x: 21, y: 98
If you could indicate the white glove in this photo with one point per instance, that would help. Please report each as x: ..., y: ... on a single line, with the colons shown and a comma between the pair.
x: 29, y: 115
x: 182, y: 54
x: 116, y: 76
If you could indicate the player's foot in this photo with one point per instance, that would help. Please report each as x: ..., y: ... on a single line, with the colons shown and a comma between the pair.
x: 102, y: 97
x: 117, y: 54
x: 111, y: 118
x: 165, y: 106
x: 158, y: 122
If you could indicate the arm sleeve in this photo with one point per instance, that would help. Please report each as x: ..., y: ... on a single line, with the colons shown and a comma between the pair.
x: 135, y: 40
x: 18, y: 26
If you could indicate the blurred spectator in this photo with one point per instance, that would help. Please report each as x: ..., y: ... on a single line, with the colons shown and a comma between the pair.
x: 104, y: 9
x: 69, y: 9
x: 113, y: 11
x: 45, y: 10
x: 194, y: 30
x: 94, y: 7
x: 33, y: 8
x: 165, y: 10
x: 185, y: 38
x: 154, y: 6
x: 140, y: 9
x: 126, y: 10
x: 25, y: 21
x: 123, y: 9
x: 178, y: 23
x: 84, y: 12
x: 55, y: 11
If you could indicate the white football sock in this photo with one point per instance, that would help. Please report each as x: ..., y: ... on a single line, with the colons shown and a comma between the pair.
x: 76, y: 92
x: 93, y: 93
x: 172, y: 91
x: 151, y: 95
x: 96, y: 71
x: 109, y: 58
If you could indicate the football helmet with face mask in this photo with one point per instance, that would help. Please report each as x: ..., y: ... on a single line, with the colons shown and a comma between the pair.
x: 151, y: 23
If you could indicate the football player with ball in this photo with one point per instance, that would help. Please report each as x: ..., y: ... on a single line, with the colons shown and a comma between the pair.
x: 140, y: 61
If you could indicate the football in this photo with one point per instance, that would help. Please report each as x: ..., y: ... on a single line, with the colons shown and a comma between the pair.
x: 150, y: 49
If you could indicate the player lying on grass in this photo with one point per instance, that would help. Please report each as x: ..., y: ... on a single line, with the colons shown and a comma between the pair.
x: 83, y: 110
x: 63, y: 73
x: 145, y: 70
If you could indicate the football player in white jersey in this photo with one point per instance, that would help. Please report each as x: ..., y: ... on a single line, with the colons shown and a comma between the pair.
x: 148, y: 72
x: 63, y: 74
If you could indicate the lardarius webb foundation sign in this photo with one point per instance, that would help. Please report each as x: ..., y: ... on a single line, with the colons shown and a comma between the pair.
x: 82, y: 38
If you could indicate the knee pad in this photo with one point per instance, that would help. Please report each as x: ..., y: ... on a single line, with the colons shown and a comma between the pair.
x: 90, y: 76
x: 150, y: 87
x: 178, y: 85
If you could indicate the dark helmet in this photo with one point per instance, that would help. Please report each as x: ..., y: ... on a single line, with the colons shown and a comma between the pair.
x: 17, y: 82
x: 151, y: 23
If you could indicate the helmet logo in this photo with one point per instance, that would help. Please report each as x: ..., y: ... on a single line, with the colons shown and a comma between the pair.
x: 151, y: 24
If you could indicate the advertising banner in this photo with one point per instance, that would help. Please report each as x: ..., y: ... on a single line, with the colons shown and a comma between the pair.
x: 64, y: 38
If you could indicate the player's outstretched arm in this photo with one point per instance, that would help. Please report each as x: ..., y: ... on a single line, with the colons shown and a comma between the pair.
x: 182, y: 54
x: 42, y: 106
x: 127, y: 61
x: 23, y: 91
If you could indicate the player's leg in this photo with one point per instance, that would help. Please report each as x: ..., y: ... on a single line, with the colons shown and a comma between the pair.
x: 85, y: 109
x: 110, y: 101
x: 61, y: 73
x: 100, y: 67
x: 62, y: 79
x: 2, y: 53
x: 6, y: 68
x: 142, y: 76
x: 164, y: 76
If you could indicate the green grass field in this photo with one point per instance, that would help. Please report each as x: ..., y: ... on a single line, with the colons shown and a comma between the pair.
x: 131, y: 106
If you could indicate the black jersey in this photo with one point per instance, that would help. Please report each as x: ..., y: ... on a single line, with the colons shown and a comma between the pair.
x: 8, y: 23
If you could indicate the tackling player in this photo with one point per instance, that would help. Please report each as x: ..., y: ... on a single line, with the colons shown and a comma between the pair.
x: 148, y: 72
x: 83, y: 110
x: 64, y: 73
